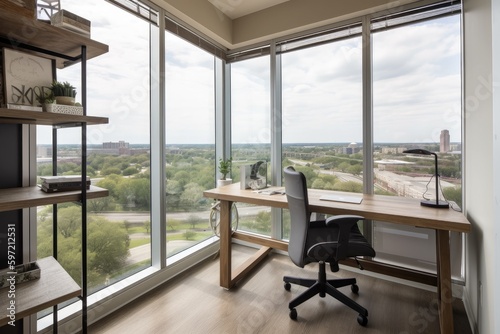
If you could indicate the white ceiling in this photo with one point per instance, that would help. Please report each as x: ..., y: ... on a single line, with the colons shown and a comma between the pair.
x: 237, y: 8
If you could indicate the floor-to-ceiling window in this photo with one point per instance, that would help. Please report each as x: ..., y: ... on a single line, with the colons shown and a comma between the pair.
x: 190, y: 142
x: 416, y: 104
x: 251, y: 131
x: 118, y: 157
x: 322, y: 110
x: 321, y: 87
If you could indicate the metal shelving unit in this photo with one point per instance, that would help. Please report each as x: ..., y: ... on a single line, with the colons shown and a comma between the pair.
x: 65, y: 48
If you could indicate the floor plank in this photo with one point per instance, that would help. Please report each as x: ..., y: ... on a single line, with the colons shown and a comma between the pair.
x: 194, y: 302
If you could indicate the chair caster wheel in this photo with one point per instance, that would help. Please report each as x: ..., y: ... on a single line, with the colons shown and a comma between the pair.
x: 293, y: 314
x: 362, y: 320
x: 288, y: 286
x: 355, y: 288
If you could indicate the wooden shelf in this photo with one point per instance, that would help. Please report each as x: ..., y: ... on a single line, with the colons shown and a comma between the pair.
x: 53, y: 287
x: 16, y: 116
x: 26, y: 197
x: 16, y: 30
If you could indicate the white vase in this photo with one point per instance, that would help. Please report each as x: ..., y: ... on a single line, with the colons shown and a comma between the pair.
x: 222, y: 183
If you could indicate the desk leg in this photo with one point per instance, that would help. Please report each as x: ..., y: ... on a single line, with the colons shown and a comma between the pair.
x: 225, y: 244
x: 445, y: 294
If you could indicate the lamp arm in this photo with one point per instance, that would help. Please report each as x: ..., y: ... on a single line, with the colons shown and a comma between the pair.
x: 436, y: 176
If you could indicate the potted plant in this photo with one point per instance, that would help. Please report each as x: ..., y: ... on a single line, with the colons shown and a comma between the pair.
x: 45, y: 98
x: 63, y: 92
x: 224, y: 169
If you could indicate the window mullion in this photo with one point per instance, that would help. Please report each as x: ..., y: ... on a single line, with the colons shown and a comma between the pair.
x: 367, y: 108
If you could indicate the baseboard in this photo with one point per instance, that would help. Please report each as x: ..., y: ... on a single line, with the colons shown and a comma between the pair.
x: 469, y: 312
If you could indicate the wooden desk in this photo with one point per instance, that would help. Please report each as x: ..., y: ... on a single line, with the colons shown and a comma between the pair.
x: 397, y: 210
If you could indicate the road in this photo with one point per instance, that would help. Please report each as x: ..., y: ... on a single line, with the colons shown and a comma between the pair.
x: 143, y: 252
x: 140, y: 217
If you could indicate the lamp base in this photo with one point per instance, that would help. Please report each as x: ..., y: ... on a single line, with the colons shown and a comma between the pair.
x: 435, y: 204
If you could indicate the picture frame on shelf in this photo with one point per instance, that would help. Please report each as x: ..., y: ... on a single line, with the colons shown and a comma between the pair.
x: 25, y: 77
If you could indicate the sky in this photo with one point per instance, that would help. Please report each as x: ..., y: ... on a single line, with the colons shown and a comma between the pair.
x: 416, y: 89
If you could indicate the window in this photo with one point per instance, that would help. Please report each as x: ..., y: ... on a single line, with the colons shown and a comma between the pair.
x: 417, y: 104
x: 322, y: 113
x: 118, y: 154
x: 321, y: 87
x: 190, y: 142
x: 251, y: 131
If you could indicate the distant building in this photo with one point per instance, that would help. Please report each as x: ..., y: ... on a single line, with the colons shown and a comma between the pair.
x: 444, y: 141
x: 44, y: 151
x: 393, y: 150
x: 115, y: 145
x: 112, y: 148
x: 352, y: 148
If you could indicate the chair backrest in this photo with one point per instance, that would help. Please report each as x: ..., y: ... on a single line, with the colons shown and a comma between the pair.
x: 298, y: 205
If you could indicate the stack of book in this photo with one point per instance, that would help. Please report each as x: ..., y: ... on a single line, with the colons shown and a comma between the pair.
x: 62, y: 183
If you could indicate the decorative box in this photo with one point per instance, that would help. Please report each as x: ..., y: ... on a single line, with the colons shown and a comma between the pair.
x: 72, y: 22
x: 21, y: 274
x: 253, y: 175
x: 63, y: 109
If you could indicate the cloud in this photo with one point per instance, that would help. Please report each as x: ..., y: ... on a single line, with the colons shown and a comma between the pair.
x: 416, y: 73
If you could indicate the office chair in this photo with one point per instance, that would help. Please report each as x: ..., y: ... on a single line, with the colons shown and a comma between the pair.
x: 322, y: 241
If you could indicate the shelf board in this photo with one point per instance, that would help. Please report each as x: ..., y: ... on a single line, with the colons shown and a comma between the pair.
x: 54, y: 286
x: 45, y: 118
x: 26, y: 197
x: 15, y: 30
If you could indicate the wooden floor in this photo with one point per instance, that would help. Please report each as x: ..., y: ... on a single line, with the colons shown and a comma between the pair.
x: 194, y: 303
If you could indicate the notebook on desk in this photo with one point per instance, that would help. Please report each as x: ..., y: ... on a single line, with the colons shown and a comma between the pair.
x: 356, y: 199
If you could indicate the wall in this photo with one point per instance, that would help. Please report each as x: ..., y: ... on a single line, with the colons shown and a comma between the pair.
x: 478, y: 142
x: 496, y: 157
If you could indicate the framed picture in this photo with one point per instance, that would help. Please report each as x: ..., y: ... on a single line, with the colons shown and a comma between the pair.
x: 26, y: 77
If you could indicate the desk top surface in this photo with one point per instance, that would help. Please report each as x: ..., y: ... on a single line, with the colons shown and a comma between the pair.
x: 394, y: 209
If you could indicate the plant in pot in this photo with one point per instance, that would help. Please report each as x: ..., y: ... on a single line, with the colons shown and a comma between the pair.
x: 63, y: 92
x: 45, y: 98
x: 224, y: 168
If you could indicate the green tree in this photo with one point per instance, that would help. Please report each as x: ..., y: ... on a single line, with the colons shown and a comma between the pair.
x: 343, y: 166
x: 192, y: 197
x: 349, y: 186
x: 193, y: 220
x: 189, y: 235
x: 108, y: 245
x: 111, y: 170
x: 355, y: 169
x: 130, y: 171
x: 69, y: 221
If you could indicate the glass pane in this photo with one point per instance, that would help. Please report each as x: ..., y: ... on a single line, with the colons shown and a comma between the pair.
x: 322, y: 116
x: 250, y: 132
x: 190, y: 143
x: 118, y: 153
x: 417, y: 104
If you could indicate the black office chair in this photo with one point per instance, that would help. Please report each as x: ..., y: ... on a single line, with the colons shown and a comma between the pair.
x: 322, y: 241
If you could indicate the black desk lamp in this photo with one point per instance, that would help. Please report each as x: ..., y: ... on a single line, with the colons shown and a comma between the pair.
x: 437, y: 203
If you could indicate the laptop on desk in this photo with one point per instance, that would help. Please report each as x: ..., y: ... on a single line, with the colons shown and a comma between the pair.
x: 356, y: 199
